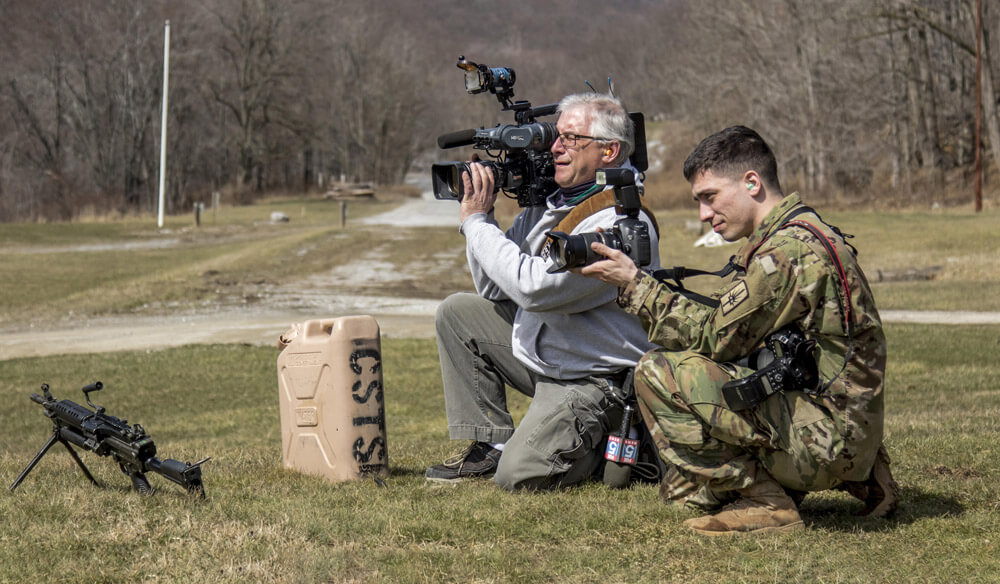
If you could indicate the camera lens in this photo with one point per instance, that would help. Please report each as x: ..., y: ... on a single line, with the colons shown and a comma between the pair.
x: 447, y: 180
x: 572, y: 251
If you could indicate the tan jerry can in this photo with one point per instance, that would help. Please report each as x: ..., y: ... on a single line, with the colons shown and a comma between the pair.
x: 331, y: 398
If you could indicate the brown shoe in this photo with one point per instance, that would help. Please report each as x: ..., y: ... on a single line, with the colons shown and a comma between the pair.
x: 879, y: 492
x: 763, y: 508
x: 746, y: 516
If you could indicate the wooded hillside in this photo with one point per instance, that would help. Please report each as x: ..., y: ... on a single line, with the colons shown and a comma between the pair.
x: 865, y: 101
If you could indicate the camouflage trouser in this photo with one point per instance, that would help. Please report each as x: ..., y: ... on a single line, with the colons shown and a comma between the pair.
x: 713, y: 448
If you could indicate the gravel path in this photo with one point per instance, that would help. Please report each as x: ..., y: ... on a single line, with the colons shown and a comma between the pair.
x: 262, y: 323
x: 407, y: 319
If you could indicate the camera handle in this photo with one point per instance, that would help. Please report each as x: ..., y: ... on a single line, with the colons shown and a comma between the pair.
x: 525, y: 114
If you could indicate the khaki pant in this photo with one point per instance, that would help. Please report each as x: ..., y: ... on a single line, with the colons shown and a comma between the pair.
x: 560, y: 440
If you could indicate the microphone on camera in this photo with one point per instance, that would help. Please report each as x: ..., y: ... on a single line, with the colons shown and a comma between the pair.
x: 456, y: 139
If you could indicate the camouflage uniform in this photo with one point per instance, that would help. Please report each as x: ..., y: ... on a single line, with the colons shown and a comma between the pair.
x: 806, y: 443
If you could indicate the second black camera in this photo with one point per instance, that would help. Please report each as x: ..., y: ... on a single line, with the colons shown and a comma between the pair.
x: 629, y: 234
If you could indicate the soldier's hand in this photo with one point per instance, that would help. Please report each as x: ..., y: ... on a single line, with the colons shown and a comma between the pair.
x: 617, y: 269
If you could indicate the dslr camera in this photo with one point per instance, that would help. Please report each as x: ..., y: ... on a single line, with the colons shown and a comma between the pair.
x: 629, y: 234
x: 522, y: 163
x: 786, y: 363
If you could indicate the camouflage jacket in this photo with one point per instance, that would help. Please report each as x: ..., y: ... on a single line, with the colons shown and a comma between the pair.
x: 786, y: 276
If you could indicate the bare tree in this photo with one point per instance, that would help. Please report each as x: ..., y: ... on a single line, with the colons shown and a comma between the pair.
x: 377, y: 98
x: 252, y: 54
x: 859, y: 98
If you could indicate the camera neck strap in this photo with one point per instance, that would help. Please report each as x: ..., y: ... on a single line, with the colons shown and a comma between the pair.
x: 844, y: 299
x: 594, y: 203
x: 679, y: 273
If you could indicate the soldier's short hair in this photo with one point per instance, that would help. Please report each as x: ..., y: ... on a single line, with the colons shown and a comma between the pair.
x: 732, y: 152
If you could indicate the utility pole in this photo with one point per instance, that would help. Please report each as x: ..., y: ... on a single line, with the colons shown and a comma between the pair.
x: 163, y: 124
x: 979, y: 106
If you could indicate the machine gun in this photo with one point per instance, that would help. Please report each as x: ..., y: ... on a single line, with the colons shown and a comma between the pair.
x: 106, y: 435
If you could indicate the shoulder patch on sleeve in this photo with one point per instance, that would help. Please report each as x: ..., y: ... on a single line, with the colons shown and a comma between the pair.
x: 734, y: 297
x: 767, y: 264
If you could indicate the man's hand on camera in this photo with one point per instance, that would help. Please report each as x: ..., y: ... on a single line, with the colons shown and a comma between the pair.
x: 478, y: 187
x: 617, y: 269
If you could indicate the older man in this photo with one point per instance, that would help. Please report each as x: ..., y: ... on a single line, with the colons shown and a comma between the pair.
x: 557, y: 337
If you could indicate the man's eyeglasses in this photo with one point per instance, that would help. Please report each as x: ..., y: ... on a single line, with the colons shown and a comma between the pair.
x: 571, y: 140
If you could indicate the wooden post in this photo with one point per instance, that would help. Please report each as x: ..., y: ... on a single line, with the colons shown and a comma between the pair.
x: 343, y: 213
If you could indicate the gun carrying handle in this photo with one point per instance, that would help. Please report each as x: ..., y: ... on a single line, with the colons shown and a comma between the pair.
x: 95, y: 386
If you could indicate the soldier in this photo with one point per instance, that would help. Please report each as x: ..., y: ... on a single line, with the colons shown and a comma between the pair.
x: 760, y: 449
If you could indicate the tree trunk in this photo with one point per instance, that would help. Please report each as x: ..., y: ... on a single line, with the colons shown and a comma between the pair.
x: 990, y: 105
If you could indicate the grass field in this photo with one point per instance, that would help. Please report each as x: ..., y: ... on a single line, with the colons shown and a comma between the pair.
x: 262, y: 523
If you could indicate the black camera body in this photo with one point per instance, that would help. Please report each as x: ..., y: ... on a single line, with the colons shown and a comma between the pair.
x: 523, y: 166
x: 629, y: 234
x: 786, y: 363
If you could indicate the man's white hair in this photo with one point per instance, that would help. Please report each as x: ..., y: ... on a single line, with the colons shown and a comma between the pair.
x: 609, y: 120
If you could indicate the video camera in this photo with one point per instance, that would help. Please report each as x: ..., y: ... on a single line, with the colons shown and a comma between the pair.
x: 523, y: 165
x: 629, y: 234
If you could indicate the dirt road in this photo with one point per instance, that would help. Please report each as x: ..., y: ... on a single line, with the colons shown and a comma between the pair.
x: 412, y: 320
x: 255, y: 328
x: 261, y: 323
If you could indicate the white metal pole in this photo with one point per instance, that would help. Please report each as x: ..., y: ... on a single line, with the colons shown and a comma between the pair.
x: 163, y: 123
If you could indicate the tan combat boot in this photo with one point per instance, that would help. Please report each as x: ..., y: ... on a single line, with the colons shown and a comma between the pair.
x: 879, y: 492
x: 763, y: 507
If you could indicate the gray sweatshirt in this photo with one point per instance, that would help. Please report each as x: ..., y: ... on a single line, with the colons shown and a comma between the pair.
x: 567, y: 326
